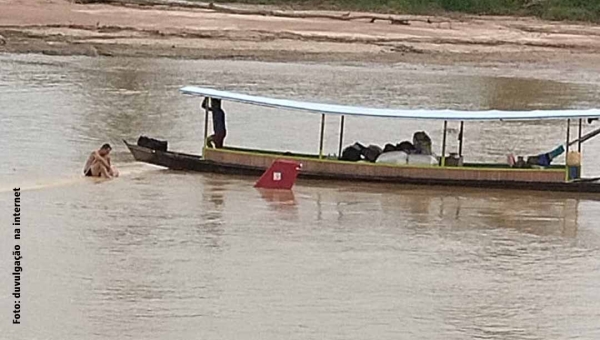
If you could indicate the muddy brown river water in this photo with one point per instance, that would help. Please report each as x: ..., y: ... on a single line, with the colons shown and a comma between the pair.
x: 158, y: 254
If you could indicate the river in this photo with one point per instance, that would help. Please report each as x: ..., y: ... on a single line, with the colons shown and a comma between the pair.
x: 158, y: 254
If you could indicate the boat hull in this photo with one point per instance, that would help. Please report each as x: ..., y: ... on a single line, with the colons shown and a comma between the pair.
x: 248, y: 163
x: 185, y: 162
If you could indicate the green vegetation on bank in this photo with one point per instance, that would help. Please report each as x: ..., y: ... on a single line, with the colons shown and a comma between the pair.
x: 580, y: 10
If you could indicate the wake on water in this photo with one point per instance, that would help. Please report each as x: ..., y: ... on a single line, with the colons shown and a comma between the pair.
x: 125, y: 170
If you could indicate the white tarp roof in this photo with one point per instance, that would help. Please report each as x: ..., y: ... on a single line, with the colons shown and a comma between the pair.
x: 391, y: 113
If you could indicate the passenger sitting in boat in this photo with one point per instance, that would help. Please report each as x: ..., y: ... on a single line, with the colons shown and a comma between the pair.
x: 98, y: 164
x: 422, y: 143
x: 219, y: 130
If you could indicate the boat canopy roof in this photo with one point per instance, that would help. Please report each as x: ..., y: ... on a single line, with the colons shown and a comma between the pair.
x: 333, y: 109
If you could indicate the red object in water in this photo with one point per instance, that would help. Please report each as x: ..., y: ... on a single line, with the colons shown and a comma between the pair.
x: 280, y: 175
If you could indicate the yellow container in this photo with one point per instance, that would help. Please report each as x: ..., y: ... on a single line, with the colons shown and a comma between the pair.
x: 573, y: 158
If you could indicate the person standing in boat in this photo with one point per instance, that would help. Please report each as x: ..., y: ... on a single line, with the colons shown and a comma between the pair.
x: 218, y: 117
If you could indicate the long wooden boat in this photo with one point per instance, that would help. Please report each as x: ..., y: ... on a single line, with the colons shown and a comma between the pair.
x: 241, y: 161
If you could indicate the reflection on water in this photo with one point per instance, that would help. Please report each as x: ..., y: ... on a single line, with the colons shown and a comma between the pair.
x: 282, y: 201
x: 211, y: 218
x: 528, y: 212
x: 160, y: 254
x: 132, y: 85
x: 520, y: 94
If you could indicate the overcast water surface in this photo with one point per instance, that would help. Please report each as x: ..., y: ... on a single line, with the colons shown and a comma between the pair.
x: 157, y: 254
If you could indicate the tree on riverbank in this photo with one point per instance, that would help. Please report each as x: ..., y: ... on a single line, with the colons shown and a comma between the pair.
x: 577, y: 10
x: 584, y: 10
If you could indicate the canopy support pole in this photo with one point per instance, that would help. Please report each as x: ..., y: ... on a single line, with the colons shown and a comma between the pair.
x: 567, y: 150
x: 322, y: 137
x: 579, y: 139
x: 460, y: 138
x: 341, y: 136
x: 443, y: 159
x: 206, y: 122
x: 568, y: 133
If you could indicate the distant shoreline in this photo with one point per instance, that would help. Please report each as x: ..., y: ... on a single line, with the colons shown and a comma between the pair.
x: 544, y: 9
x: 195, y: 30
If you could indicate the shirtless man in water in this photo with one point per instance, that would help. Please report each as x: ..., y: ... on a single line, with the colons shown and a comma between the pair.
x: 98, y: 164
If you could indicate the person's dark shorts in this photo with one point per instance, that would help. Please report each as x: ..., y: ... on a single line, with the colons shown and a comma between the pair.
x: 88, y: 173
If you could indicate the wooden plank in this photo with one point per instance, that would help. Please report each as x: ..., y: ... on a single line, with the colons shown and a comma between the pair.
x: 333, y: 168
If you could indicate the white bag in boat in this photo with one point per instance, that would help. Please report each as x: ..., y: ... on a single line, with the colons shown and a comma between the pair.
x: 393, y: 157
x: 422, y: 160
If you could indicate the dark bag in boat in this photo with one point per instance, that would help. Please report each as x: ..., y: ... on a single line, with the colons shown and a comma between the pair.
x: 407, y: 147
x: 151, y: 143
x: 389, y: 148
x: 371, y: 153
x: 352, y: 153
